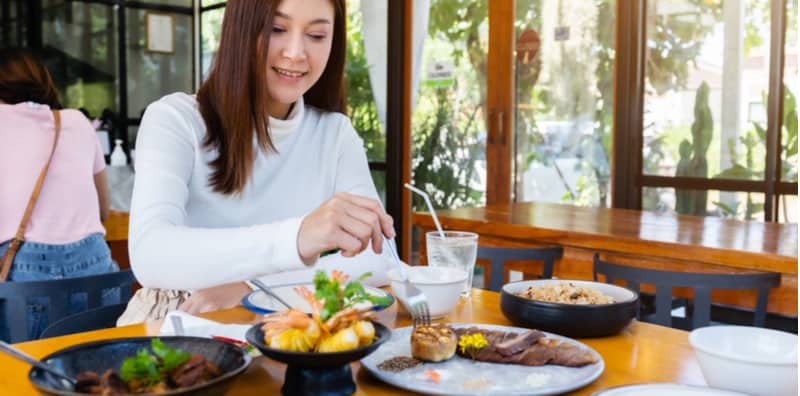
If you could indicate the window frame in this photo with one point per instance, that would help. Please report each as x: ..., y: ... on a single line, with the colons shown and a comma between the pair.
x: 628, y: 178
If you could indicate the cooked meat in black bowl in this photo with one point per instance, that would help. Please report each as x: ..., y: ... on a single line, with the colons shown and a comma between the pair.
x: 144, y: 365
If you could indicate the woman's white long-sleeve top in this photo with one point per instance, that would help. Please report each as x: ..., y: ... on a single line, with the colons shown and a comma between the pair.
x: 183, y: 235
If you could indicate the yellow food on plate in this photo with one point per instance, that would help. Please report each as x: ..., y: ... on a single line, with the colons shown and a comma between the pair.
x: 335, y: 324
x: 291, y: 330
x: 342, y: 340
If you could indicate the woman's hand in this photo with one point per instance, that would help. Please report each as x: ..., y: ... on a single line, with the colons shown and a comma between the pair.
x: 346, y: 221
x: 215, y: 298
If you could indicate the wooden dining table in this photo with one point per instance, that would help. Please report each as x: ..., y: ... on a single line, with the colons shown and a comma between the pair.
x: 654, y: 240
x: 642, y: 353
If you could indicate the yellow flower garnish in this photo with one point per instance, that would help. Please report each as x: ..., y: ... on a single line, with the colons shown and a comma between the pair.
x: 471, y: 344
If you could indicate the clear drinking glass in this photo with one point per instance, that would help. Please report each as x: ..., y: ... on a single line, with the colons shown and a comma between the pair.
x: 457, y: 249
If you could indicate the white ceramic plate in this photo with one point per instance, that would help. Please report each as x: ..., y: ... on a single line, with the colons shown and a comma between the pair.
x: 259, y: 302
x: 460, y: 376
x: 664, y: 390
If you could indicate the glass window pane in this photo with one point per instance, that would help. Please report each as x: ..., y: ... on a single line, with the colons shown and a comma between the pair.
x: 707, y: 75
x: 152, y: 75
x: 737, y: 205
x: 564, y: 98
x: 12, y: 23
x: 790, y: 85
x: 207, y: 3
x: 448, y: 126
x: 132, y: 131
x: 179, y: 3
x: 209, y: 34
x: 360, y: 70
x: 80, y: 51
x: 787, y: 209
x: 379, y: 178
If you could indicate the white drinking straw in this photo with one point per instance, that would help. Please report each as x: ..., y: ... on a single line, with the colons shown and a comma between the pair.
x: 430, y: 207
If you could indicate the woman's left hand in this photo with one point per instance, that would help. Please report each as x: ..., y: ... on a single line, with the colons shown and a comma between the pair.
x: 215, y: 298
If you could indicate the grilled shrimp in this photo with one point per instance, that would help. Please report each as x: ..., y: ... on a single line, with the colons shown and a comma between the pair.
x: 291, y: 330
x: 294, y: 330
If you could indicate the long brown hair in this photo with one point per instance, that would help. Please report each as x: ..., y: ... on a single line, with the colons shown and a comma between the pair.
x: 23, y: 78
x: 233, y: 100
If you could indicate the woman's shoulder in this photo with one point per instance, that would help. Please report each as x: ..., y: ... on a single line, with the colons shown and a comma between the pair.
x: 323, y: 115
x: 329, y: 121
x: 75, y: 119
x: 174, y: 111
x: 181, y: 102
x: 36, y: 114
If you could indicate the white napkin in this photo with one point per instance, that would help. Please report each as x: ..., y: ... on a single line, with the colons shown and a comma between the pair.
x: 199, y: 327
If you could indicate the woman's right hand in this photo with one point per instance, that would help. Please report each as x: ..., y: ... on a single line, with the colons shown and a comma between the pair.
x: 347, y: 222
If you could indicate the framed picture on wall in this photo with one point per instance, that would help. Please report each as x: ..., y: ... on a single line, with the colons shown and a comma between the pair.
x: 160, y: 33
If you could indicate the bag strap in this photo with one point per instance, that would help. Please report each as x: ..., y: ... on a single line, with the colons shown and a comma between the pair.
x: 8, y: 257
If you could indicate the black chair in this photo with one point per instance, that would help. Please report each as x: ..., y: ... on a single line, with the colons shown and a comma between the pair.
x: 15, y: 295
x: 498, y: 256
x: 93, y: 319
x: 702, y: 283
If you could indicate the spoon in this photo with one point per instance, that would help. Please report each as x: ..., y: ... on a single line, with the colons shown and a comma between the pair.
x: 259, y: 284
x: 5, y: 347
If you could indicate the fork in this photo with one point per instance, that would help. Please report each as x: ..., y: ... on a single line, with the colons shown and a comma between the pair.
x: 415, y: 298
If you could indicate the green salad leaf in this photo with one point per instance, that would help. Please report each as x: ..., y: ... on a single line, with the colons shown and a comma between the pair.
x: 143, y: 366
x: 154, y: 367
x: 170, y: 358
x: 338, y: 298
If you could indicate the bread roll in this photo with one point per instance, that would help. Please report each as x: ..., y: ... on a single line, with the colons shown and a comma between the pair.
x: 434, y: 343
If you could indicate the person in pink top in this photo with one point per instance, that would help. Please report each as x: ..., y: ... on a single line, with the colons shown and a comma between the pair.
x: 64, y: 237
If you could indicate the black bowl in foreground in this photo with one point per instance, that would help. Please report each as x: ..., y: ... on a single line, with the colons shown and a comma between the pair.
x: 99, y: 356
x: 571, y: 320
x: 317, y: 373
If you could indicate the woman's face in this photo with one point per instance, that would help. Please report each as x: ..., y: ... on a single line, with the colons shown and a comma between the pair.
x: 299, y: 47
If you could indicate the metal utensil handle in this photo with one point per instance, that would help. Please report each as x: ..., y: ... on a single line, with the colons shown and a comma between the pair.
x: 269, y: 292
x: 33, y: 361
x: 390, y: 245
x: 177, y: 324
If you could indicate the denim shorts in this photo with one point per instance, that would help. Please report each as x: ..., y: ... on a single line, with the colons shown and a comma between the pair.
x: 40, y: 261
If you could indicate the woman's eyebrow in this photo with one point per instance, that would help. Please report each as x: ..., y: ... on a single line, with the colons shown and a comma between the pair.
x: 313, y: 22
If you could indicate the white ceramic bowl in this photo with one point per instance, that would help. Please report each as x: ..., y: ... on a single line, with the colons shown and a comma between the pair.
x: 441, y: 285
x: 747, y: 359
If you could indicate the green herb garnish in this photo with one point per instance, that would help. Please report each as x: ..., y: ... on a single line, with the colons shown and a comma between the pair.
x: 152, y: 368
x: 338, y: 298
x: 329, y: 252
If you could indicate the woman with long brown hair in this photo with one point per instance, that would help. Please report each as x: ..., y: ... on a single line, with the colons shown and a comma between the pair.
x: 63, y: 235
x: 259, y: 173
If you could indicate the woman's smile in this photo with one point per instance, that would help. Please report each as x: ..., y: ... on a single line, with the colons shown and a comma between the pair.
x: 290, y: 75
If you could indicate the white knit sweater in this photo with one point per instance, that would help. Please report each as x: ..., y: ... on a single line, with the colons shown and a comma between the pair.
x: 183, y: 235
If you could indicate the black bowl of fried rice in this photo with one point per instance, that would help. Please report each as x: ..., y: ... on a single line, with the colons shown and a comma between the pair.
x: 228, y: 361
x: 572, y: 308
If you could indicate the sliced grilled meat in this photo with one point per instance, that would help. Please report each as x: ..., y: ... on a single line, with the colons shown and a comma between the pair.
x: 518, y: 343
x: 542, y: 351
